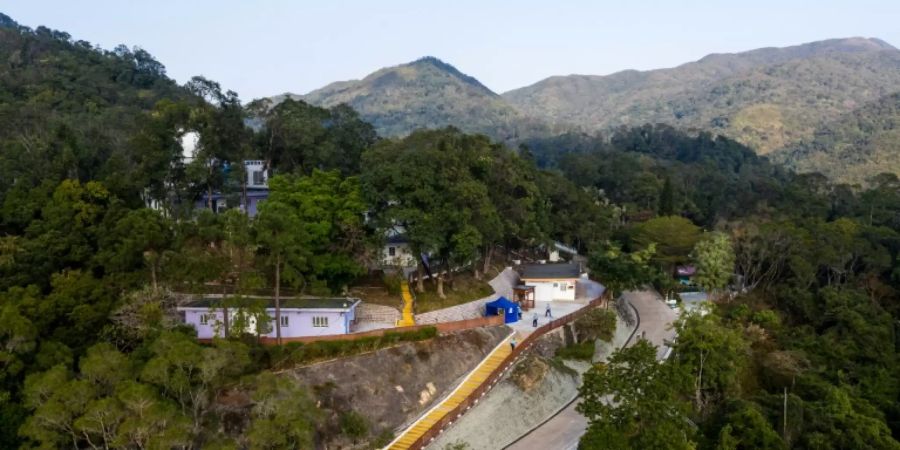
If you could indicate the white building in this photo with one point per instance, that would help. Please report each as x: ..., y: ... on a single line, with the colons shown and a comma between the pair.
x: 551, y: 281
x: 396, y: 252
x: 257, y: 174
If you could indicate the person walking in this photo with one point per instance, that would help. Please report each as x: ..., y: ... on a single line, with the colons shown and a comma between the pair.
x: 512, y: 344
x: 547, y: 311
x: 534, y: 320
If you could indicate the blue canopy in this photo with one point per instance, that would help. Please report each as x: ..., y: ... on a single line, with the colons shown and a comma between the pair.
x: 503, y: 305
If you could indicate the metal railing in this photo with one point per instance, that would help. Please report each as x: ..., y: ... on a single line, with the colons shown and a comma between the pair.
x: 472, y: 399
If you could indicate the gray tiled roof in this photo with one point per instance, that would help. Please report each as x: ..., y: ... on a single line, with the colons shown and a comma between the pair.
x: 296, y: 303
x: 533, y: 271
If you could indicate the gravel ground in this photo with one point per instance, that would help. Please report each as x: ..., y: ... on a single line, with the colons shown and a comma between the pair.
x: 507, y: 413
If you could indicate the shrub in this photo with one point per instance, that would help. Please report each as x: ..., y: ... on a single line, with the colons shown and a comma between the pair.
x: 583, y: 351
x: 597, y: 324
x: 392, y: 283
x: 383, y: 439
x: 354, y: 425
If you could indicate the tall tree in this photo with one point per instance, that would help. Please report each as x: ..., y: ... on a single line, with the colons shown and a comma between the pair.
x: 330, y: 211
x: 282, y: 238
x: 621, y: 271
x: 714, y: 259
x: 667, y: 199
x: 715, y: 356
x: 143, y: 237
x: 634, y: 402
x: 284, y: 414
x: 673, y: 236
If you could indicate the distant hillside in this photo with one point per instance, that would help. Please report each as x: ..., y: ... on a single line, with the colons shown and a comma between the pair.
x: 767, y: 98
x: 853, y: 148
x: 427, y: 93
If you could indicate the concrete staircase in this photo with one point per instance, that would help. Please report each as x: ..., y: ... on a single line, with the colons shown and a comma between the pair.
x: 407, y: 318
x: 469, y: 384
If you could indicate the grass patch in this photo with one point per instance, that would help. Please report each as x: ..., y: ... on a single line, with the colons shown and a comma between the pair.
x: 582, y: 351
x: 464, y: 289
x: 558, y: 364
x: 297, y: 353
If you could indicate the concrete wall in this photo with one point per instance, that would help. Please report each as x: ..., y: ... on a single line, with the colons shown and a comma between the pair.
x: 213, y: 326
x: 547, y: 290
x: 402, y: 257
x: 301, y: 323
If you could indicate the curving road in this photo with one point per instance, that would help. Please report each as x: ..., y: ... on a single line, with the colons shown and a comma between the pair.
x: 565, y: 428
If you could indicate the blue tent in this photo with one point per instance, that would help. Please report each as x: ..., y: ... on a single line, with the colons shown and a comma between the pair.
x: 502, y: 305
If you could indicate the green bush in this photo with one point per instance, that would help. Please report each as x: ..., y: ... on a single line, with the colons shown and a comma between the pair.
x: 597, y: 324
x: 392, y: 283
x: 583, y: 351
x: 767, y: 319
x: 354, y: 425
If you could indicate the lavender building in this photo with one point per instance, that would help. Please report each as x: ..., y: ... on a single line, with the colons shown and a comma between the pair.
x: 300, y: 317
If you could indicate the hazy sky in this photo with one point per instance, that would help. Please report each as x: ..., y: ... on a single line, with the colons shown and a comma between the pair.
x: 260, y: 48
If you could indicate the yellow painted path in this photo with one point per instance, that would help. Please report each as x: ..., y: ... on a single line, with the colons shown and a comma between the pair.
x: 469, y: 384
x: 406, y: 316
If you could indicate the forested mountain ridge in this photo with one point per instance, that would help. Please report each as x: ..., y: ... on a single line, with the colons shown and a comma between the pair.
x: 67, y: 108
x: 855, y: 147
x: 766, y: 98
x: 426, y: 93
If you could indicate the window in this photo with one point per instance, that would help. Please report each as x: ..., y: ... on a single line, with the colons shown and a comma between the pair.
x: 555, y: 284
x: 392, y: 251
x: 319, y: 321
x: 258, y: 178
x: 285, y: 321
x: 562, y: 286
x: 204, y: 319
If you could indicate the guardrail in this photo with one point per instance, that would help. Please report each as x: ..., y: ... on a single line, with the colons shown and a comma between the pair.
x: 473, y: 398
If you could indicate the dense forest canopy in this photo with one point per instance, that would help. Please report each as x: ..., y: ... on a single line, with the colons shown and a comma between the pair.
x: 100, y: 224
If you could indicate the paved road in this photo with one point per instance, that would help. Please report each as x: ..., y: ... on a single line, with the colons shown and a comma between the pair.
x: 565, y: 429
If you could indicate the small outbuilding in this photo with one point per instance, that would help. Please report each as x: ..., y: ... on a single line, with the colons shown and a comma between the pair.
x: 503, y: 306
x: 524, y: 296
x: 551, y: 281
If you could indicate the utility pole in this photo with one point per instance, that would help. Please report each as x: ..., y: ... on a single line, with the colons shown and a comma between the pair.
x: 784, y: 417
